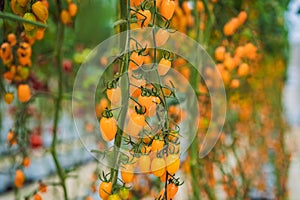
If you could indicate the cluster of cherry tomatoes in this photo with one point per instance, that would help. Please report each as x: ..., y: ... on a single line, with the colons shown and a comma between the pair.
x: 66, y: 15
x: 149, y: 152
x: 16, y: 53
x: 233, y: 61
x: 34, y: 11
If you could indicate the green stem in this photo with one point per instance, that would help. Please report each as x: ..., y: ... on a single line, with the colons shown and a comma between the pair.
x: 5, y: 15
x: 209, y: 24
x: 197, y: 21
x: 58, y: 60
x: 125, y: 44
x: 194, y: 171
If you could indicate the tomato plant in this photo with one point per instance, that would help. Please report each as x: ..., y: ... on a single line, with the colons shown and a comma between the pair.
x: 157, y: 117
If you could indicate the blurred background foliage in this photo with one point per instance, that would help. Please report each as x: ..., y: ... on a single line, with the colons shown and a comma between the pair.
x: 265, y: 27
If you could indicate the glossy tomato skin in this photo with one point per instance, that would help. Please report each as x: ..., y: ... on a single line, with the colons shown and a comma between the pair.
x: 163, y: 66
x: 158, y: 167
x: 19, y: 178
x: 167, y: 9
x: 173, y: 163
x: 144, y: 163
x: 136, y: 61
x: 105, y: 189
x: 114, y: 95
x: 157, y: 145
x: 172, y: 190
x: 127, y: 173
x: 37, y: 197
x: 108, y: 128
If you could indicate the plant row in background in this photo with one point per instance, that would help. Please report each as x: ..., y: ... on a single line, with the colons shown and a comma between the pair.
x: 148, y: 118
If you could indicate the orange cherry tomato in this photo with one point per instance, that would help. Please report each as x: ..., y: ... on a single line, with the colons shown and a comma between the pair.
x: 9, y: 97
x: 12, y: 39
x: 11, y: 138
x: 72, y: 8
x: 24, y: 93
x: 161, y: 37
x: 143, y: 18
x: 100, y: 107
x: 220, y: 53
x: 235, y: 83
x: 6, y: 53
x: 158, y: 3
x: 163, y: 177
x: 164, y: 66
x: 105, y: 189
x: 167, y: 9
x: 42, y: 187
x: 239, y: 52
x: 26, y: 162
x: 149, y: 102
x: 200, y: 6
x: 114, y: 95
x: 186, y: 7
x: 108, y: 128
x: 136, y: 123
x: 19, y: 178
x: 243, y: 69
x: 157, y: 145
x: 172, y: 190
x: 138, y: 119
x: 230, y: 27
x: 6, y: 50
x: 24, y: 53
x: 127, y: 173
x: 144, y: 163
x: 242, y: 17
x: 39, y: 34
x: 136, y: 60
x: 173, y: 163
x: 158, y: 166
x: 37, y: 197
x: 136, y: 3
x: 65, y: 17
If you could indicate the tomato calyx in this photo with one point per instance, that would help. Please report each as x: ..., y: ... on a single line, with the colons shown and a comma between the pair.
x: 104, y: 177
x: 167, y: 55
x: 152, y: 92
x: 145, y: 92
x: 140, y: 110
x: 107, y: 113
x: 112, y: 84
x: 174, y: 180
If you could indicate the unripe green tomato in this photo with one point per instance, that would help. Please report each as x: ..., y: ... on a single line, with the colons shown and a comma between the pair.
x: 30, y: 17
x: 124, y: 193
x: 114, y: 197
x: 24, y: 73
